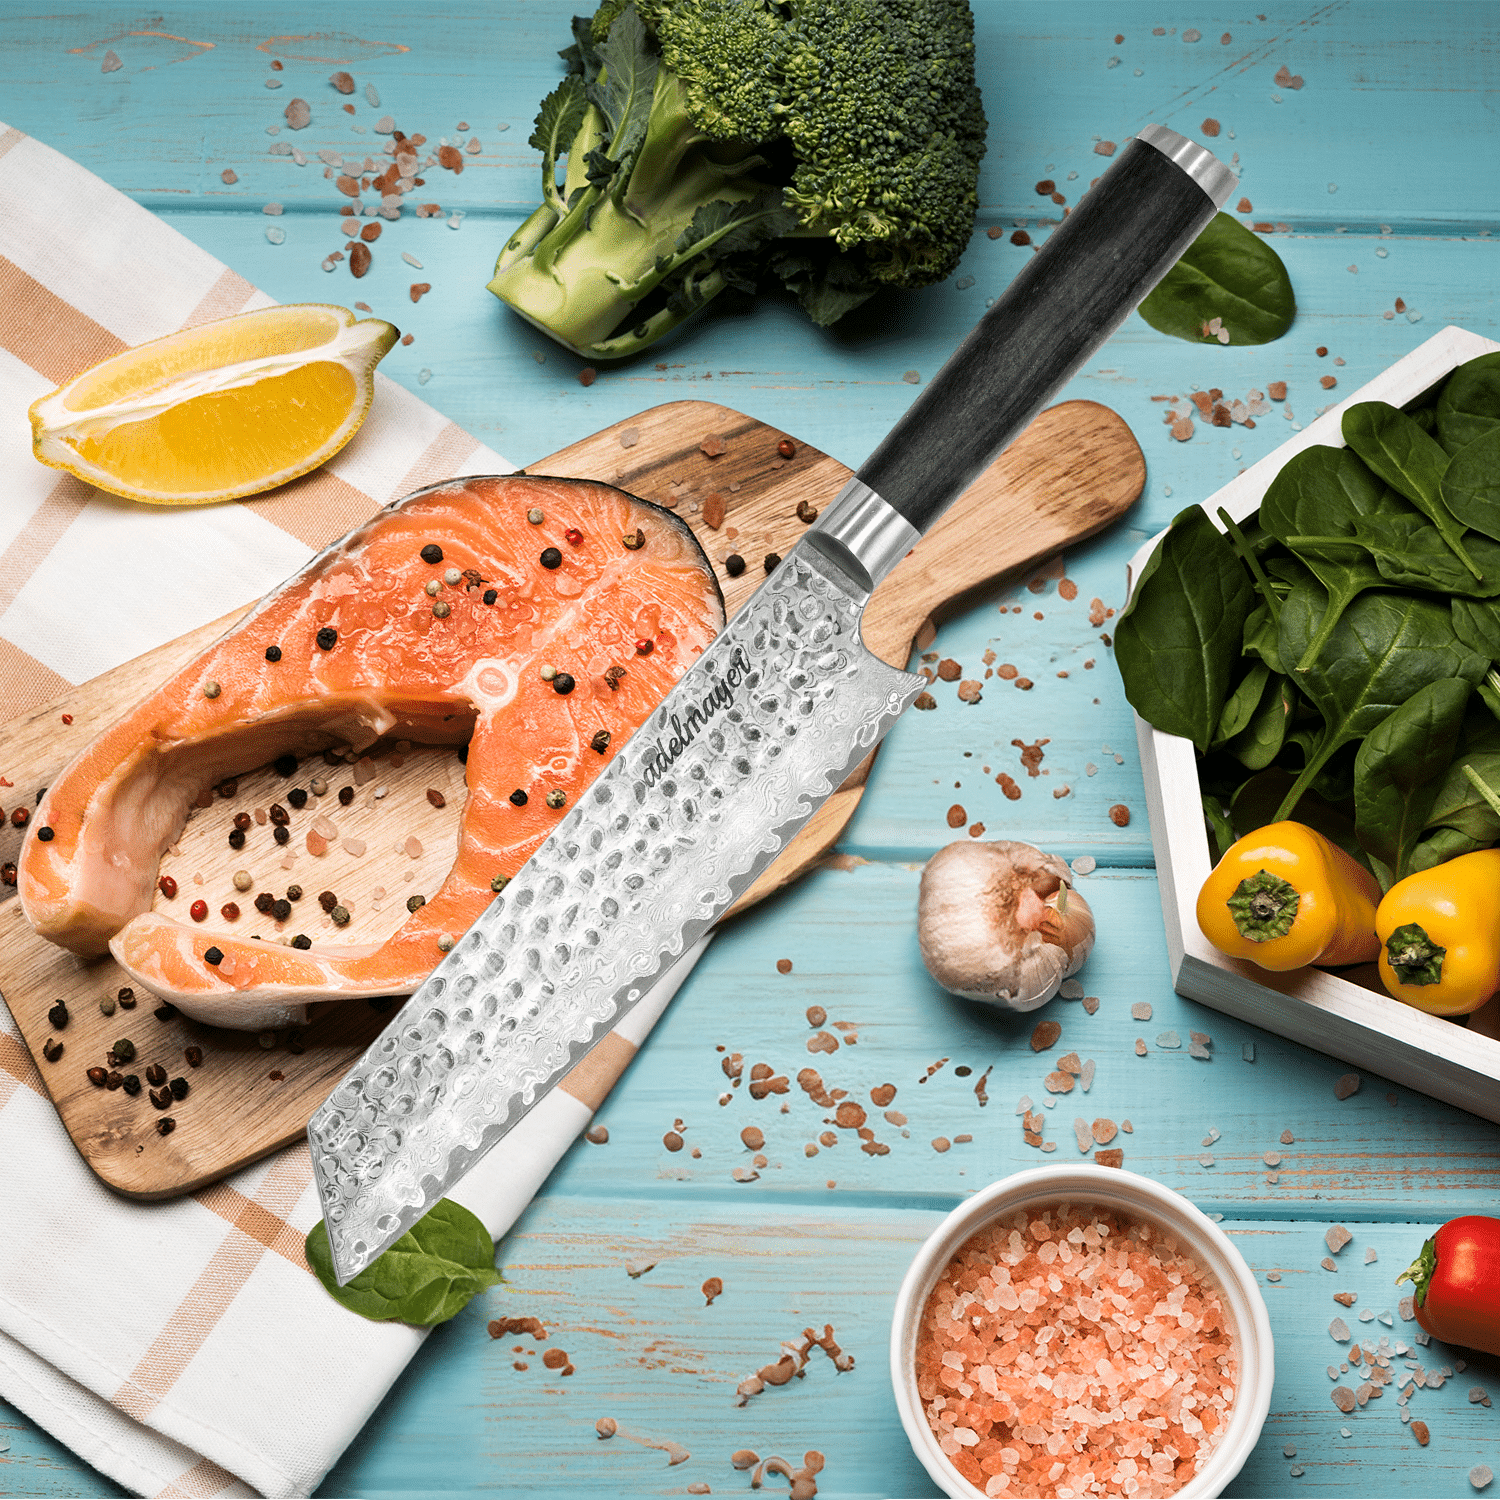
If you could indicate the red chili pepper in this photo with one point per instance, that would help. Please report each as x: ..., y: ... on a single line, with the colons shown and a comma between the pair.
x: 574, y: 535
x: 167, y: 886
x: 1456, y: 1283
x: 198, y: 910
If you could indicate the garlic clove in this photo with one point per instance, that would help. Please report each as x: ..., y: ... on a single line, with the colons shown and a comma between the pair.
x: 1000, y: 922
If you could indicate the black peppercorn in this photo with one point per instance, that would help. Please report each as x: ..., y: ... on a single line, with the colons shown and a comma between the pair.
x: 242, y: 821
x: 286, y: 765
x: 166, y: 1126
x: 97, y: 1077
x: 279, y: 814
x: 45, y: 835
x: 166, y: 1013
x: 297, y: 797
x: 490, y: 595
x: 327, y: 638
x: 126, y: 997
x: 156, y: 1075
x: 8, y: 872
x: 346, y: 795
x: 281, y: 910
x: 734, y: 565
x: 773, y: 561
x: 302, y: 941
x: 236, y: 838
x: 432, y: 553
x: 273, y: 653
x: 114, y: 1080
x: 563, y: 684
x: 600, y: 741
x: 52, y: 1049
x: 264, y: 902
x: 132, y: 1084
x: 327, y: 900
x: 550, y: 558
x: 415, y: 903
x: 161, y: 1098
x: 58, y: 1015
x: 294, y: 893
x: 194, y: 1056
x: 518, y: 797
x: 214, y: 956
x: 282, y: 834
x: 179, y: 1087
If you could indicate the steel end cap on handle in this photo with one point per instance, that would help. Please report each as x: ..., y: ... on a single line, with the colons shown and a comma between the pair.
x: 1197, y: 161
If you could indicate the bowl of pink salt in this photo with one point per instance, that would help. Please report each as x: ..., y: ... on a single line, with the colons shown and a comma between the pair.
x: 1081, y: 1331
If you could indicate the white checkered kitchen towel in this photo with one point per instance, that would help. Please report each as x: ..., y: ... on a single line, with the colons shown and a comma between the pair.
x: 184, y: 1348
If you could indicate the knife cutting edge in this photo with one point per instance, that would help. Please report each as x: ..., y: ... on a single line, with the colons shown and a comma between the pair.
x: 763, y: 727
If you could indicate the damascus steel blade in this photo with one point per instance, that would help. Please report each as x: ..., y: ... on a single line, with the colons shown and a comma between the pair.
x: 765, y: 725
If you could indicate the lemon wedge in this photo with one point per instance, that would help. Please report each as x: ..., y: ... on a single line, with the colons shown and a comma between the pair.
x: 226, y: 409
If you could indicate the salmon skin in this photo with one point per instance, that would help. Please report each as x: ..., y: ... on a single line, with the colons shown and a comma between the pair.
x: 610, y: 591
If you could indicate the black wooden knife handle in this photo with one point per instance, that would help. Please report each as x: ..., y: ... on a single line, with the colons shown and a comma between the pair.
x: 1124, y: 235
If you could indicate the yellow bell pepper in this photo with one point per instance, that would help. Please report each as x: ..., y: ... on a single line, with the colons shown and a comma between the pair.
x: 1285, y: 896
x: 1440, y: 935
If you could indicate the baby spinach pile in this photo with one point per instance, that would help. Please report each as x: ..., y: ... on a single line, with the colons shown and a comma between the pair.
x: 1333, y: 659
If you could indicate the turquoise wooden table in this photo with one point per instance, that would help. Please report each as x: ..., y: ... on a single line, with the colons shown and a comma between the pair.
x: 1365, y: 139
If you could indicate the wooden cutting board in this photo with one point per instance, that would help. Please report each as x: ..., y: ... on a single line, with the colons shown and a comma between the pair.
x: 1075, y: 469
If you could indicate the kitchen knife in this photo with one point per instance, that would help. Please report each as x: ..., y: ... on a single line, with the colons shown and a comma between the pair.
x: 755, y: 736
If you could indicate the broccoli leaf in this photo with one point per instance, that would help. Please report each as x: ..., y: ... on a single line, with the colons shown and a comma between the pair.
x: 557, y: 123
x: 1226, y: 273
x: 622, y: 90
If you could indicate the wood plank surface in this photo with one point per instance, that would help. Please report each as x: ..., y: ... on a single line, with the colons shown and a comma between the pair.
x: 1075, y: 469
x: 1378, y: 167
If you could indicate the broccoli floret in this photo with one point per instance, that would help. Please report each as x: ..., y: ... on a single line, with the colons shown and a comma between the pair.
x: 831, y: 144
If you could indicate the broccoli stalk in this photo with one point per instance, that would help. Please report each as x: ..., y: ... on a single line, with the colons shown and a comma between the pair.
x: 834, y: 144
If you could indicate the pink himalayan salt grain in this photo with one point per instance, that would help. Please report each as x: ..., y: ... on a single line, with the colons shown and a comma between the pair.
x: 1075, y: 1352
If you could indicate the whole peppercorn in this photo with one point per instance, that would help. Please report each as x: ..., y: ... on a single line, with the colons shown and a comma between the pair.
x: 52, y: 1049
x: 243, y: 880
x: 107, y: 1006
x: 281, y: 910
x: 499, y: 882
x: 211, y: 690
x: 574, y: 536
x: 279, y: 814
x: 302, y: 941
x: 734, y: 565
x: 273, y: 653
x: 339, y: 916
x: 441, y: 610
x: 327, y: 900
x: 535, y: 516
x: 8, y: 872
x: 242, y: 821
x: 194, y: 1056
x: 96, y: 1076
x: 415, y: 903
x: 58, y: 1015
x: 214, y: 956
x: 453, y: 577
x: 166, y: 1126
x: 634, y: 540
x: 773, y: 561
x: 21, y: 817
x: 156, y: 1075
x: 556, y: 799
x: 123, y: 1051
x: 45, y: 835
x: 161, y: 1098
x: 550, y: 558
x: 490, y: 595
x: 126, y: 997
x: 167, y: 886
x: 264, y: 902
x: 294, y: 893
x: 236, y: 838
x: 600, y: 742
x: 230, y: 911
x: 132, y: 1084
x: 297, y: 797
x: 327, y: 638
x: 198, y: 911
x: 547, y: 672
x: 114, y: 1080
x: 432, y: 553
x: 644, y: 647
x: 518, y: 798
x: 346, y: 795
x: 179, y: 1087
x: 282, y: 834
x: 787, y: 448
x: 563, y: 683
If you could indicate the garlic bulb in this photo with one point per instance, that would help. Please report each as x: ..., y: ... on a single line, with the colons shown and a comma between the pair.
x: 1000, y: 922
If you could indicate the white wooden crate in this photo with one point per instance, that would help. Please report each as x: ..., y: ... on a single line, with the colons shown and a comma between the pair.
x: 1347, y: 1015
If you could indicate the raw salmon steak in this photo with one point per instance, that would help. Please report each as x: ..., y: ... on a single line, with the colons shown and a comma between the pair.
x: 539, y: 620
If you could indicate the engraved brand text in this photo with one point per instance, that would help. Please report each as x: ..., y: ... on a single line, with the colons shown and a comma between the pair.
x: 659, y: 760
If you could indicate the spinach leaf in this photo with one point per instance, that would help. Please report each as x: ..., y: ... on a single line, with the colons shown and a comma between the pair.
x: 1471, y: 484
x: 1179, y: 640
x: 1397, y: 771
x: 1221, y: 833
x: 1260, y: 741
x: 1410, y: 461
x: 1322, y: 491
x: 1226, y: 273
x: 1441, y: 845
x: 1260, y: 637
x: 429, y: 1274
x: 1385, y: 647
x: 1469, y: 406
x: 1459, y: 805
x: 1477, y: 625
x: 1411, y: 554
x: 1240, y: 706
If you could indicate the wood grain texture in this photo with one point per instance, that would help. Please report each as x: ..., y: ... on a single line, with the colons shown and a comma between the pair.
x: 1076, y: 469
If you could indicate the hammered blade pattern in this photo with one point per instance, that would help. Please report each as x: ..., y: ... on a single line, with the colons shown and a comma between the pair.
x: 766, y: 724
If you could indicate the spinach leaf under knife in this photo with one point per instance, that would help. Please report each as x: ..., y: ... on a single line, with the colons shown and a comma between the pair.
x: 1179, y: 640
x: 1398, y: 770
x: 1383, y: 650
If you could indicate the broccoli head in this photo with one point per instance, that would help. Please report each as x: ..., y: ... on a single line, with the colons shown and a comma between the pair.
x: 833, y: 145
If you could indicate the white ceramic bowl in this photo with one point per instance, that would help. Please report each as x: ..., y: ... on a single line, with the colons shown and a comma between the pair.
x: 1138, y: 1197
